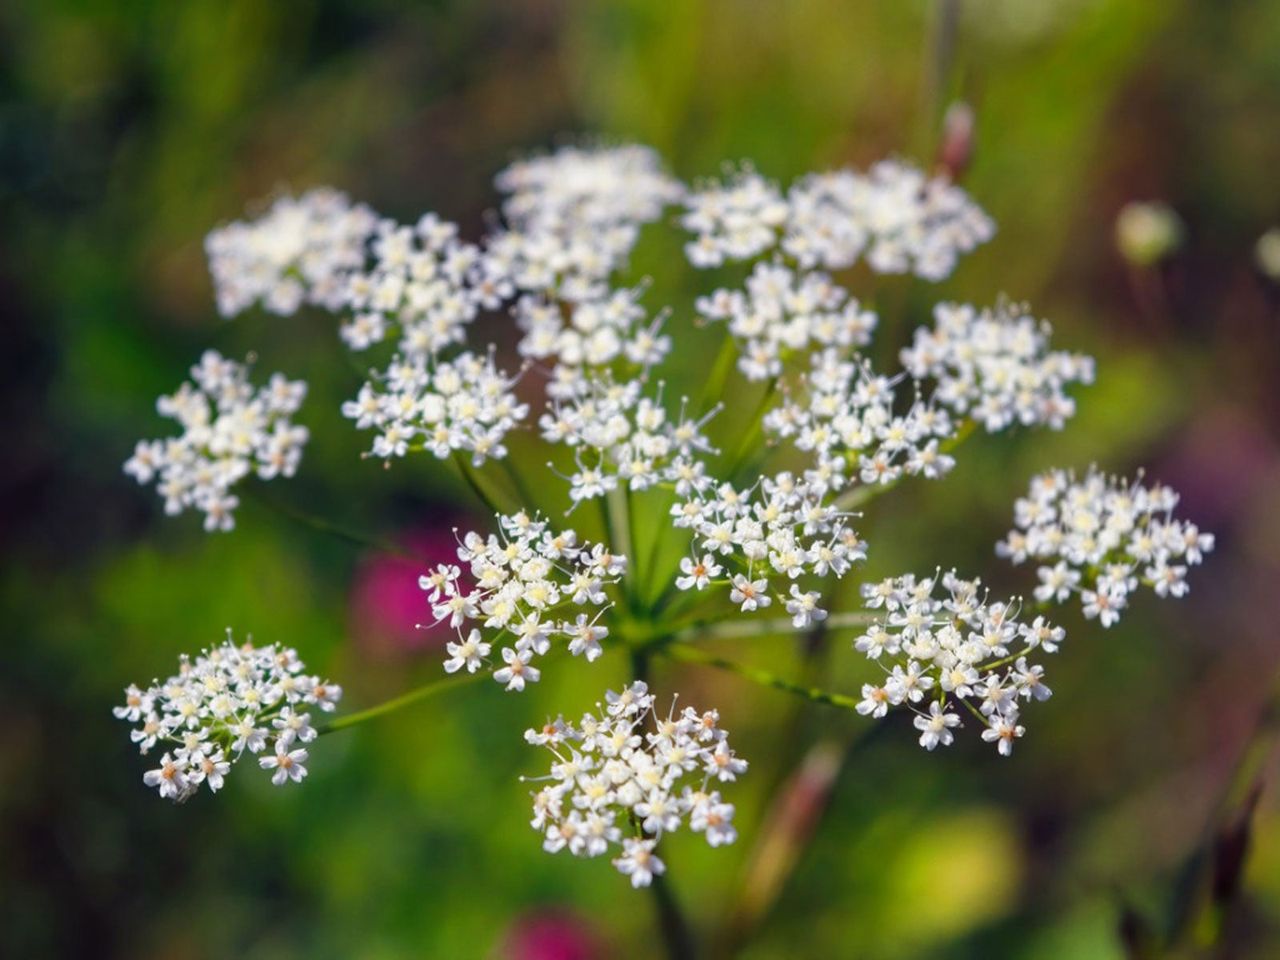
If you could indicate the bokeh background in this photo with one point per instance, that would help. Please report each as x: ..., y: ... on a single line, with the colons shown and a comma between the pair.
x: 128, y: 130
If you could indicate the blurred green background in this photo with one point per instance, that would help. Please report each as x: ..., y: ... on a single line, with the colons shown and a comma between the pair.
x: 128, y: 130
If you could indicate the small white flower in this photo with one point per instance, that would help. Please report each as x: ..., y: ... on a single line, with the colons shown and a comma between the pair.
x: 294, y: 726
x: 287, y: 764
x: 1003, y: 731
x: 469, y: 653
x: 518, y: 577
x: 935, y: 729
x: 170, y: 778
x: 715, y: 820
x: 944, y: 643
x: 517, y: 671
x: 639, y: 862
x: 804, y: 609
x: 698, y: 573
x: 750, y: 594
x: 230, y: 430
x: 586, y: 637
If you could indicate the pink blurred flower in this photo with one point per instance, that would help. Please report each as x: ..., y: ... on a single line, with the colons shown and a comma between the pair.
x: 386, y: 604
x: 552, y: 935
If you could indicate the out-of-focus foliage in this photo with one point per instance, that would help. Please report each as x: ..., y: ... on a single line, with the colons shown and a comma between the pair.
x: 128, y: 130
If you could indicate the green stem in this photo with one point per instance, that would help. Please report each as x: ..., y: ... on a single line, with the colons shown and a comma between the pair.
x: 617, y: 537
x: 329, y: 528
x: 700, y: 627
x: 689, y: 654
x: 405, y: 700
x: 651, y: 579
x: 719, y: 374
x: 753, y: 430
x: 473, y: 481
x: 523, y: 494
x: 676, y: 933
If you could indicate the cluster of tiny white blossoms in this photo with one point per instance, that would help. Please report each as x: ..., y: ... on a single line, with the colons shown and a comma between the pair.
x: 415, y: 282
x: 781, y: 529
x: 902, y: 220
x: 589, y: 337
x: 429, y: 286
x: 523, y: 582
x: 784, y: 312
x: 617, y: 786
x: 581, y: 188
x: 442, y: 406
x: 848, y: 417
x: 619, y: 436
x: 951, y: 655
x: 229, y: 430
x: 1102, y: 537
x: 300, y: 251
x: 765, y: 535
x: 232, y: 699
x: 573, y: 218
x: 995, y: 366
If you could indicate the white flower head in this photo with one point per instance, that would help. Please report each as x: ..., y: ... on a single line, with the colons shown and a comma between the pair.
x: 230, y: 429
x: 529, y: 582
x: 627, y: 775
x: 1101, y: 537
x: 230, y: 699
x: 300, y: 251
x: 949, y: 652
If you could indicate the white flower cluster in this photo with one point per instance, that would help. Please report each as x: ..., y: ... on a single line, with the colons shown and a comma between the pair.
x: 439, y: 406
x: 520, y: 582
x: 911, y: 223
x: 960, y: 651
x: 1107, y: 536
x: 735, y: 220
x: 996, y: 366
x: 230, y: 429
x: 615, y: 785
x: 300, y: 250
x: 902, y: 220
x: 784, y: 312
x: 782, y: 527
x: 583, y: 188
x: 573, y: 217
x: 847, y: 419
x: 619, y: 436
x: 423, y: 281
x: 417, y: 281
x: 590, y: 336
x: 231, y: 699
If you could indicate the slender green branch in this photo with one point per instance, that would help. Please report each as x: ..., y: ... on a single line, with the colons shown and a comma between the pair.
x: 651, y: 580
x: 522, y: 492
x: 720, y: 370
x: 423, y: 692
x: 618, y: 521
x: 473, y: 481
x: 715, y: 627
x: 751, y: 433
x: 321, y: 525
x: 690, y: 654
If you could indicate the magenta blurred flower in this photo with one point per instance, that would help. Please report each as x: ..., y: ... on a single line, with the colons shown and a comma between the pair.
x: 386, y: 605
x: 553, y: 935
